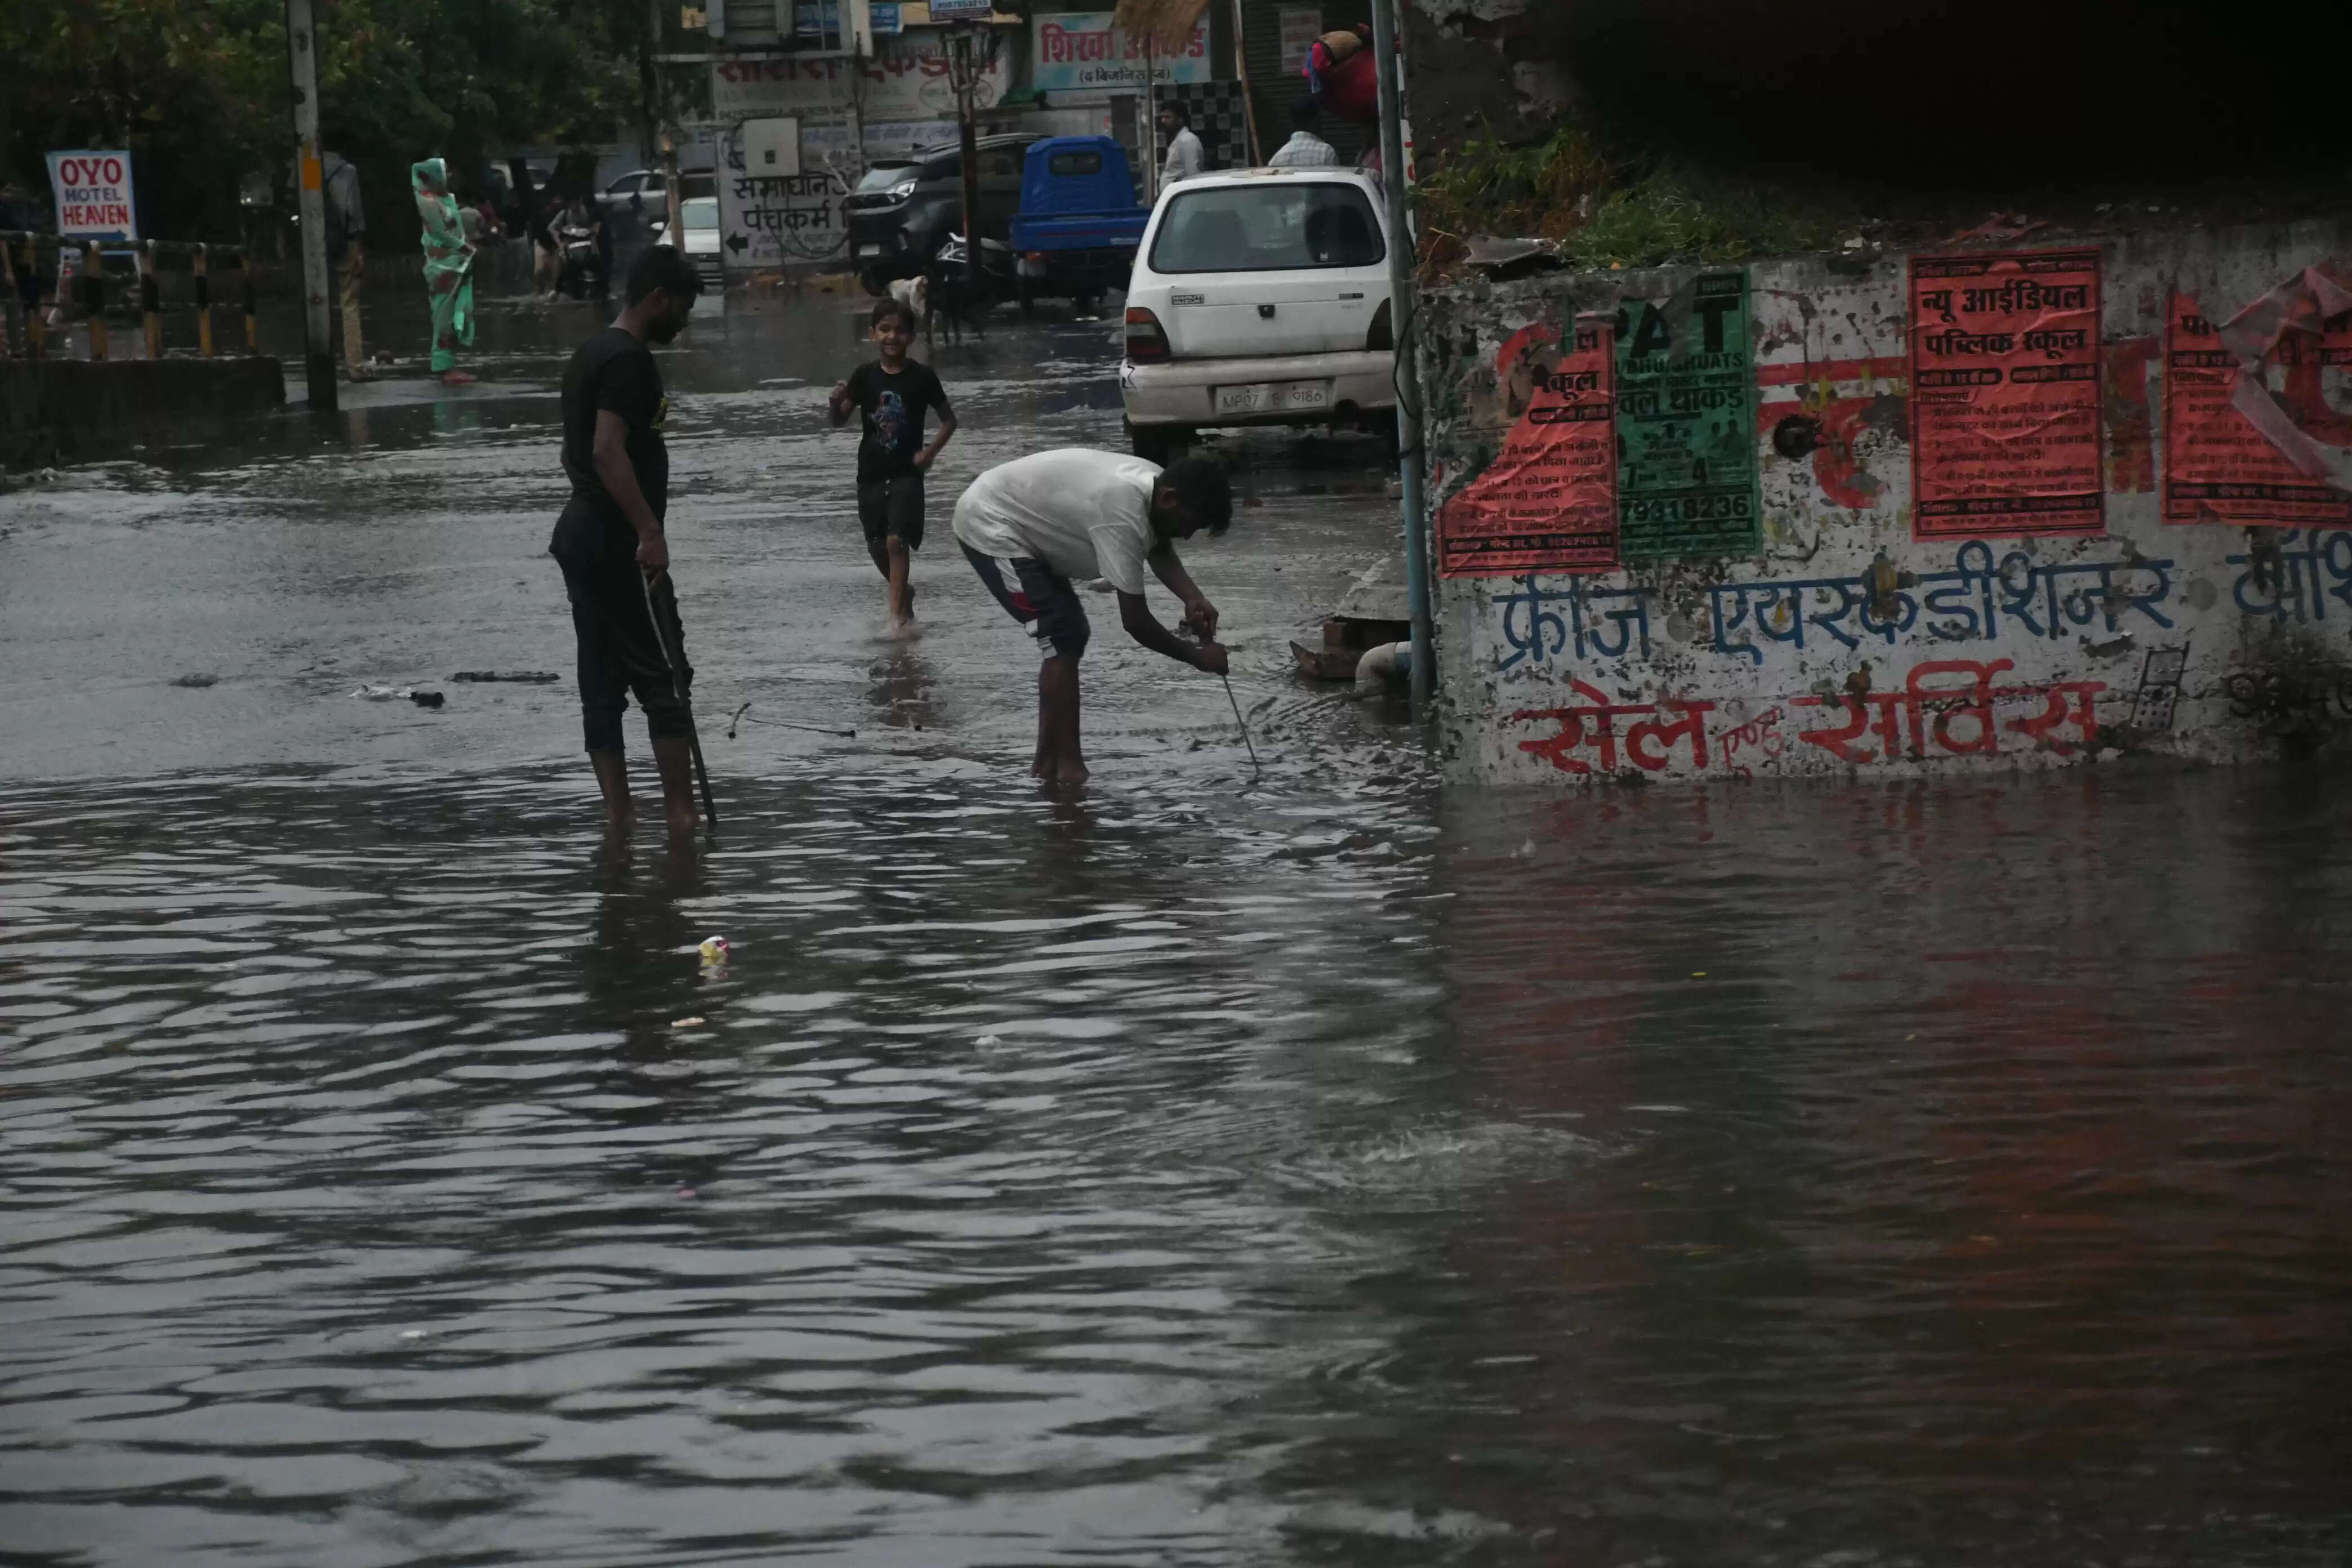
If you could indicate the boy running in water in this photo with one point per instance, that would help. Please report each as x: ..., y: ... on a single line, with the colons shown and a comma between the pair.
x: 1031, y: 525
x: 893, y: 394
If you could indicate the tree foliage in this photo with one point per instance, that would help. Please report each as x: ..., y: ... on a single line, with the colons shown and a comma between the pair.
x: 199, y: 93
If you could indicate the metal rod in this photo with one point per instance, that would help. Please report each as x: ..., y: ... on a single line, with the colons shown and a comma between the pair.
x: 693, y: 738
x: 1240, y: 720
x: 1390, y: 70
x: 302, y: 60
x: 1249, y: 98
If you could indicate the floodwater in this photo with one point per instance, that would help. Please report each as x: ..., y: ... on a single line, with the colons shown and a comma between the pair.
x: 1310, y: 1167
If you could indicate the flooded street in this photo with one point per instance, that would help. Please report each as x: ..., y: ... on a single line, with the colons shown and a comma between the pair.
x: 1312, y: 1168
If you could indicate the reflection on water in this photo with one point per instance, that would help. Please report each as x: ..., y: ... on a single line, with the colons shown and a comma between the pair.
x: 1318, y: 1174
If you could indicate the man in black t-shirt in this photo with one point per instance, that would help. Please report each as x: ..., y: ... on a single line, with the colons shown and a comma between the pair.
x: 610, y: 544
x: 894, y: 394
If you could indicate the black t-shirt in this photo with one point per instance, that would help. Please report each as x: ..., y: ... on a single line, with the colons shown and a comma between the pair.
x: 612, y: 370
x: 894, y: 406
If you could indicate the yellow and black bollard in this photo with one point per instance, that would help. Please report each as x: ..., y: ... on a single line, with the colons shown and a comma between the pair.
x: 252, y: 325
x: 90, y: 284
x: 150, y: 301
x: 11, y: 334
x: 203, y: 304
x: 37, y: 320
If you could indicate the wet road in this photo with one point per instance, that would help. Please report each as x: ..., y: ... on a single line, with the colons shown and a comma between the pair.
x: 1319, y: 1171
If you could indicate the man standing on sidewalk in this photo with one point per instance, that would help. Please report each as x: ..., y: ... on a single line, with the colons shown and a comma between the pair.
x: 346, y: 253
x: 610, y: 543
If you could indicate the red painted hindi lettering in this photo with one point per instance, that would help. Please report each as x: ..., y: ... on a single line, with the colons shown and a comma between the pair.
x: 2006, y: 395
x: 1549, y: 500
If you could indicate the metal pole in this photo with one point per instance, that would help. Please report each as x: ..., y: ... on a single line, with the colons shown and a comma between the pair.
x: 301, y: 55
x: 1403, y: 303
x: 967, y: 86
x: 203, y: 303
x: 1249, y: 98
x: 1152, y: 154
x: 90, y: 283
x: 674, y: 198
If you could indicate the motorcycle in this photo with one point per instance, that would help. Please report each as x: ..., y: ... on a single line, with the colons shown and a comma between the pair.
x: 576, y: 244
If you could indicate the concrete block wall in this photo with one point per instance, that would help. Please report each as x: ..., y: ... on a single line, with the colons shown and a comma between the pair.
x: 1844, y: 644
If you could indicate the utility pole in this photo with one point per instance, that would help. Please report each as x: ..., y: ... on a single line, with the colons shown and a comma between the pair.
x: 964, y: 71
x: 1403, y: 301
x: 302, y: 58
x: 658, y: 108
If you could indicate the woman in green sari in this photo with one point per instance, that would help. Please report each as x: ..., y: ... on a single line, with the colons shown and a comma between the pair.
x: 448, y: 268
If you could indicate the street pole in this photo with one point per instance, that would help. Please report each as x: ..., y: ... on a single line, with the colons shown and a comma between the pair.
x: 659, y: 108
x: 1403, y: 301
x: 302, y: 58
x: 967, y: 87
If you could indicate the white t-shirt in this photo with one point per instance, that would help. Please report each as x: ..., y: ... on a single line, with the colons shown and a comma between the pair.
x: 1082, y: 512
x: 1184, y: 157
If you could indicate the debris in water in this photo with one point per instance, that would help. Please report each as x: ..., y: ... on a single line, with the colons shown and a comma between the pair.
x: 524, y: 677
x: 427, y: 699
x: 395, y: 693
x: 714, y: 951
x: 196, y: 682
x: 687, y: 1023
x: 688, y: 1193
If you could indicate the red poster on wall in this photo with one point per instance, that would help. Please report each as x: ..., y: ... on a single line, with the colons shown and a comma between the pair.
x: 1549, y: 500
x: 2218, y: 468
x: 2005, y: 395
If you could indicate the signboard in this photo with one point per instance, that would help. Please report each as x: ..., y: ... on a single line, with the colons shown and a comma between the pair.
x: 767, y: 222
x: 1549, y: 500
x: 883, y: 16
x: 906, y: 79
x: 2218, y: 468
x: 1686, y: 423
x: 2005, y: 395
x: 962, y: 10
x: 1298, y: 26
x: 93, y: 195
x: 1081, y: 52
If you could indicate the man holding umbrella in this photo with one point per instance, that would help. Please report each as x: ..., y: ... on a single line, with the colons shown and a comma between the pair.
x: 611, y: 545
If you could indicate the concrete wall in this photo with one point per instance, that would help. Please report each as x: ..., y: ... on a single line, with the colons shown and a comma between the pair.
x: 1839, y: 642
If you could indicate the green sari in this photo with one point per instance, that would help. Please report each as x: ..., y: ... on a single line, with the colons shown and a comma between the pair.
x: 448, y: 263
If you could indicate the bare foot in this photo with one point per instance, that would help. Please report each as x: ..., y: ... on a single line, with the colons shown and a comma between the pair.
x: 456, y: 378
x: 1072, y: 774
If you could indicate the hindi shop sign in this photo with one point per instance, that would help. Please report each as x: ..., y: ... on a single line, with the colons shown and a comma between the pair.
x: 93, y: 195
x: 1082, y: 52
x: 906, y: 79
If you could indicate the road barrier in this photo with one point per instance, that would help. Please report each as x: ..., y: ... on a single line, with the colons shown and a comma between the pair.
x: 27, y: 259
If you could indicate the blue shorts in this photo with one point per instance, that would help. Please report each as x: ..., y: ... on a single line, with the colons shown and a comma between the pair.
x: 1042, y: 601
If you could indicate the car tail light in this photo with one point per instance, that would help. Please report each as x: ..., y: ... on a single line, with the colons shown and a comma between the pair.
x: 1383, y: 333
x: 1034, y: 258
x: 1145, y: 338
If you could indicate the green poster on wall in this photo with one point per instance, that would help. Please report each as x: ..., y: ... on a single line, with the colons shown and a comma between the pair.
x: 1686, y: 423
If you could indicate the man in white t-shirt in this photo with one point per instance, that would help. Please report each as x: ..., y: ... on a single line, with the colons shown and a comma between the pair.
x: 1031, y: 525
x: 1185, y: 156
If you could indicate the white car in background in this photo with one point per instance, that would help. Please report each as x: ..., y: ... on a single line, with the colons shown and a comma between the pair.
x: 1260, y: 297
x: 697, y: 217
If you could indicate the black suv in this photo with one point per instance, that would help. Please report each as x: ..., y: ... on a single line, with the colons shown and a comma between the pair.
x: 902, y: 212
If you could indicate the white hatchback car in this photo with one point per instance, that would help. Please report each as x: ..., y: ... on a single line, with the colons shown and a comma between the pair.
x: 1260, y: 297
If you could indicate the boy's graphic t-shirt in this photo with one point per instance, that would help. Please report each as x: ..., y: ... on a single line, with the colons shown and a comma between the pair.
x: 894, y: 405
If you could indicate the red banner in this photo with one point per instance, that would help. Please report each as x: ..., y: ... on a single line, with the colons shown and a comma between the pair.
x: 1549, y: 500
x: 2217, y: 467
x: 2005, y: 395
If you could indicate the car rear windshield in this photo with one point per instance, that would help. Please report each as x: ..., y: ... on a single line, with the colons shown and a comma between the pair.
x: 1271, y: 228
x: 1074, y: 162
x: 700, y: 213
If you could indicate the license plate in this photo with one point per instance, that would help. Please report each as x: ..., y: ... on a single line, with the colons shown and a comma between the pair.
x: 1274, y: 397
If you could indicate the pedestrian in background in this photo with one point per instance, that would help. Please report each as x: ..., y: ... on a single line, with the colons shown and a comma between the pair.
x: 346, y: 253
x: 546, y: 256
x: 1305, y: 149
x: 448, y: 268
x: 611, y: 544
x: 1185, y: 158
x: 894, y: 394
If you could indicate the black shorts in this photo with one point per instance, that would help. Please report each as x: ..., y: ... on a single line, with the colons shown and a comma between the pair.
x: 1046, y: 604
x: 887, y: 510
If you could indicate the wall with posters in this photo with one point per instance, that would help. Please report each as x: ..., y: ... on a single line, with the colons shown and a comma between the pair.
x: 1994, y: 507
